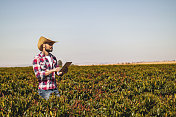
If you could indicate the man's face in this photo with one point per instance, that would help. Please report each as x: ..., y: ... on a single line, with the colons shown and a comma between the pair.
x: 49, y: 47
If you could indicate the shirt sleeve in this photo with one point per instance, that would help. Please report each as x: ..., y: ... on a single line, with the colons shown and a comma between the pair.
x: 37, y: 69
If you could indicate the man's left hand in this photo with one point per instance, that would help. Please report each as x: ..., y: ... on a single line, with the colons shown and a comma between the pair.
x: 60, y: 73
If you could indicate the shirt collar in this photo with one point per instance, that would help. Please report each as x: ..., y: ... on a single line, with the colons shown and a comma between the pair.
x: 42, y: 55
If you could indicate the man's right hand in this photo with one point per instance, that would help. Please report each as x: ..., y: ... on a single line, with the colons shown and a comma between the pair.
x: 52, y: 70
x: 57, y: 69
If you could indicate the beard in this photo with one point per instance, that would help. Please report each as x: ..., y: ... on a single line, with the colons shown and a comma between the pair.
x: 49, y: 50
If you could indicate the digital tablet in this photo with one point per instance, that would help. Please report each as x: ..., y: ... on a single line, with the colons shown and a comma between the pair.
x: 67, y: 64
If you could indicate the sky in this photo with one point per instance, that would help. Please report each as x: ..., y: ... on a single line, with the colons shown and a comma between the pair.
x: 89, y: 31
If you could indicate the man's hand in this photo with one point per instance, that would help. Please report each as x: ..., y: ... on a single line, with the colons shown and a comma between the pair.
x: 57, y: 69
x: 53, y: 70
x: 60, y: 73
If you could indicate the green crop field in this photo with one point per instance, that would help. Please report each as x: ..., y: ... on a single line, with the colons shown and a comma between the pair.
x: 114, y: 90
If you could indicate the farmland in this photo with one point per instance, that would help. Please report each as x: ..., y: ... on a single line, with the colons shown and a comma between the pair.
x: 118, y: 90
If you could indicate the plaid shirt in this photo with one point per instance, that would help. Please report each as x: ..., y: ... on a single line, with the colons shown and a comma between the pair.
x: 40, y: 66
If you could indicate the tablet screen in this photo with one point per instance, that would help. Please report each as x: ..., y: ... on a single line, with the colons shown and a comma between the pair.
x: 67, y: 64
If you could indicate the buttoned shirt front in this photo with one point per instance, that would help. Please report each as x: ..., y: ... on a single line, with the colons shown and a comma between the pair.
x: 40, y: 66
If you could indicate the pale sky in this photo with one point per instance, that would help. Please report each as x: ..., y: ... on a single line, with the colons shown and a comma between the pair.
x: 88, y: 31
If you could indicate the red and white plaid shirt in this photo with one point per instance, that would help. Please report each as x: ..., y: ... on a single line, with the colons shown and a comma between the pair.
x: 40, y: 66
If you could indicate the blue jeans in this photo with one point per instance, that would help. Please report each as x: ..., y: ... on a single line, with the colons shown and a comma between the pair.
x: 46, y: 93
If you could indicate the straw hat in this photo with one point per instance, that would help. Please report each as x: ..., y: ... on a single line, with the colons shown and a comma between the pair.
x: 43, y: 40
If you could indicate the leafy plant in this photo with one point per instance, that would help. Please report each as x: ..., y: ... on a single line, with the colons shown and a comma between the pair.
x: 118, y: 90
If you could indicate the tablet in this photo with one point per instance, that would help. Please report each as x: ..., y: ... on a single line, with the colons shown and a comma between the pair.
x: 67, y: 64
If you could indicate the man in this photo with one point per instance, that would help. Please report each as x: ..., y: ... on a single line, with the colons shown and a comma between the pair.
x: 45, y: 67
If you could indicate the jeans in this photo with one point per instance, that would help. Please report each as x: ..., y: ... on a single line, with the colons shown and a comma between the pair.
x: 46, y: 93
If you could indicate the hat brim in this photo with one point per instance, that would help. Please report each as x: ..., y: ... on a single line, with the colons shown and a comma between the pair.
x: 44, y: 40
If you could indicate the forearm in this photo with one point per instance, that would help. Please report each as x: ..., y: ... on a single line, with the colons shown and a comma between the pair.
x: 53, y: 70
x: 49, y: 72
x: 42, y: 74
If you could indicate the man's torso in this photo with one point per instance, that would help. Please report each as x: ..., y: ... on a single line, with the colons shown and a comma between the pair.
x: 40, y: 65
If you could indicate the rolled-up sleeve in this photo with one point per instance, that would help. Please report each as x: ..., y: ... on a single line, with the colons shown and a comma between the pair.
x: 39, y: 73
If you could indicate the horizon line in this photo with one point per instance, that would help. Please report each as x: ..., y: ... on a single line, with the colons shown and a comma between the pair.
x: 102, y: 63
